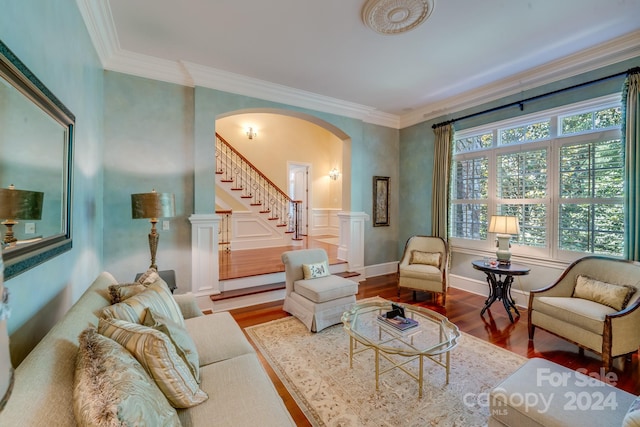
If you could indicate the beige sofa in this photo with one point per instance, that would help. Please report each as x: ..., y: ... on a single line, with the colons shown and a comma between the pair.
x: 240, y: 391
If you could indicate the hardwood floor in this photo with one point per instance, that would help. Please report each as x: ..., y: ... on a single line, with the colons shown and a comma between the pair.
x: 463, y: 309
x: 252, y: 262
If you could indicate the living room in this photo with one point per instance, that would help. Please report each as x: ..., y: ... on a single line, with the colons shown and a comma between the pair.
x: 138, y: 132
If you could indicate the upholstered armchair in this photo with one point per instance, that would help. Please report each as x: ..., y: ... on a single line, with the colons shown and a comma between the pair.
x: 424, y: 266
x: 595, y: 304
x: 314, y: 295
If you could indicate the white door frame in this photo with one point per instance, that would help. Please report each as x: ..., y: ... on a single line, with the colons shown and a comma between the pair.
x: 296, y: 167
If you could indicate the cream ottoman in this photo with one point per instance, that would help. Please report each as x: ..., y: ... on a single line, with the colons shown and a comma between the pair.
x: 543, y: 393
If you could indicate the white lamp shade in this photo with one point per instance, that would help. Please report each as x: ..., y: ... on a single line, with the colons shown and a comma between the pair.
x: 504, y: 225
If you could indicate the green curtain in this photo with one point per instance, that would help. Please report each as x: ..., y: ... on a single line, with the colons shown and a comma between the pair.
x: 440, y: 186
x: 631, y: 142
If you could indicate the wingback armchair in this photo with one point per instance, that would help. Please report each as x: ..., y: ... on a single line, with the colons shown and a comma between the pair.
x: 424, y: 266
x: 314, y: 295
x: 595, y: 304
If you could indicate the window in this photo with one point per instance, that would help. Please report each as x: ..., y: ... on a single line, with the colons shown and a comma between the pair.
x: 560, y: 172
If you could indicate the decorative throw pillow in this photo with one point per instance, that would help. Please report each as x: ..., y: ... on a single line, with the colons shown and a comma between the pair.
x: 122, y: 291
x: 157, y: 355
x: 314, y: 271
x: 180, y: 338
x: 148, y: 277
x: 112, y: 388
x: 426, y: 258
x: 610, y: 294
x: 157, y: 296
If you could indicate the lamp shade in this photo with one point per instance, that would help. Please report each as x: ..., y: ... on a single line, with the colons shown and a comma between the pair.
x: 504, y: 225
x: 20, y: 204
x: 153, y: 205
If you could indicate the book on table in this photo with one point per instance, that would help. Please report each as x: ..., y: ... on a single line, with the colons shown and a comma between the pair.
x: 398, y: 322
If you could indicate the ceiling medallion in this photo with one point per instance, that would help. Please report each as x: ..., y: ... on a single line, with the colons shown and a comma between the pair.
x: 395, y: 16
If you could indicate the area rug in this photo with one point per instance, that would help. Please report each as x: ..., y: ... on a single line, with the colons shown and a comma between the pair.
x: 315, y: 369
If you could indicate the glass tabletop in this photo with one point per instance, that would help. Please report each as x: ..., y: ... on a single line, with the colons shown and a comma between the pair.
x: 434, y: 333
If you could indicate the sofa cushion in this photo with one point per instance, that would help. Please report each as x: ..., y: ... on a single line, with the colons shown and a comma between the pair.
x: 217, y: 337
x: 609, y: 294
x: 316, y: 270
x: 157, y: 296
x: 240, y: 394
x: 426, y: 258
x: 325, y: 288
x: 586, y: 314
x: 112, y: 388
x: 422, y: 272
x: 179, y: 336
x: 157, y: 354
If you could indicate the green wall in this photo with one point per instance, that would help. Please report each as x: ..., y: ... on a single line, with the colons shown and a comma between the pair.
x: 148, y: 130
x: 50, y: 38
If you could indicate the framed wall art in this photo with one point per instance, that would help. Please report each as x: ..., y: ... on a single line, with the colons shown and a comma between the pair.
x: 380, y: 201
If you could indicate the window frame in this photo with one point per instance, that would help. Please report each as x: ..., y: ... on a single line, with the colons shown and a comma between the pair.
x: 551, y: 252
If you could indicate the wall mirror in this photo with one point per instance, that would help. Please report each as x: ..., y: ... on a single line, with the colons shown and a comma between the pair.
x: 36, y: 136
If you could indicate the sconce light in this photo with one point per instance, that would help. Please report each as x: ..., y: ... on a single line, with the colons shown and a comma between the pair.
x: 505, y: 226
x: 153, y: 206
x: 18, y: 204
x: 333, y: 174
x: 251, y: 133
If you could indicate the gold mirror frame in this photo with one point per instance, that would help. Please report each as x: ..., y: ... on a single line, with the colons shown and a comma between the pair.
x: 19, y: 258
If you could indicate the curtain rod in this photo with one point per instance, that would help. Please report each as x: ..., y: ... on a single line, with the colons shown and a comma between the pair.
x: 533, y: 98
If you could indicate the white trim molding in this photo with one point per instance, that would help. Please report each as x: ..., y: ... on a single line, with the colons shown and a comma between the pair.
x: 204, y: 254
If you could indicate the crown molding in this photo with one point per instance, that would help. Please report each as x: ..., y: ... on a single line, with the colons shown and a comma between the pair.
x: 102, y: 31
x: 609, y: 53
x: 99, y: 21
x: 242, y: 85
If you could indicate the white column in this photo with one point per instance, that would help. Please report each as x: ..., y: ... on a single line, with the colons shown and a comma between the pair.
x: 351, y: 247
x: 204, y: 254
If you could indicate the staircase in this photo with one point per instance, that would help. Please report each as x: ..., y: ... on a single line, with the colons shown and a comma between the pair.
x: 272, y: 218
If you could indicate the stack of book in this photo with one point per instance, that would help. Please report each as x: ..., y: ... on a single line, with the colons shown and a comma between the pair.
x: 398, y: 322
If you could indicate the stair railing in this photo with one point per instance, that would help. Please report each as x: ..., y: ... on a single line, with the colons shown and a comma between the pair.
x: 256, y: 188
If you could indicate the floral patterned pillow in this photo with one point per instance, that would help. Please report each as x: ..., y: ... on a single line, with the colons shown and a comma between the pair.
x: 314, y: 271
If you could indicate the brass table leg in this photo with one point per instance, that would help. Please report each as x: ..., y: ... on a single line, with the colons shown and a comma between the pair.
x: 377, y: 369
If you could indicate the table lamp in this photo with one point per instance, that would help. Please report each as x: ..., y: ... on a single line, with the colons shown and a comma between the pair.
x: 505, y: 227
x: 18, y: 204
x: 153, y: 206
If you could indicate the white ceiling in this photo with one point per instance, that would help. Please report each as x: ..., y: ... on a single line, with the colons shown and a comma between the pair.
x: 319, y: 54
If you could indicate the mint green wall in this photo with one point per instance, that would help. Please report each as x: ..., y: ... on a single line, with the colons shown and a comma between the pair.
x: 416, y: 160
x: 416, y: 177
x: 148, y: 145
x: 51, y: 39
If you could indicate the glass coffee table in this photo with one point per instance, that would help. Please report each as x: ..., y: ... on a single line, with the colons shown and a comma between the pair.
x: 433, y: 337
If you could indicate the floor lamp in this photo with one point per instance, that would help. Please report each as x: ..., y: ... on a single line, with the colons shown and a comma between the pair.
x: 153, y: 206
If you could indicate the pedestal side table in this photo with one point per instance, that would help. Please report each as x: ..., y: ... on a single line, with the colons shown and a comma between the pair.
x: 499, y: 288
